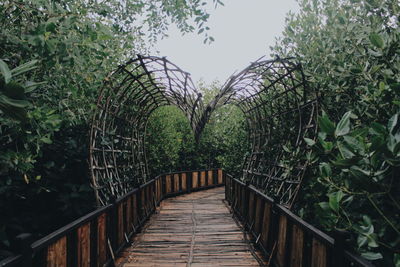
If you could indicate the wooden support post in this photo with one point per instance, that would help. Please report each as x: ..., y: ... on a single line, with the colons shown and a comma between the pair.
x: 93, y: 243
x: 245, y: 203
x: 274, y: 228
x: 23, y: 242
x: 113, y: 233
x: 339, y: 246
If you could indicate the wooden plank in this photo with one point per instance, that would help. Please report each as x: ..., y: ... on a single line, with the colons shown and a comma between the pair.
x: 220, y: 177
x: 159, y: 183
x: 195, y: 179
x: 148, y: 202
x: 319, y: 254
x: 128, y: 216
x: 210, y: 178
x: 168, y: 184
x: 266, y: 222
x: 143, y: 203
x: 281, y: 245
x: 258, y: 216
x: 57, y: 253
x: 83, y: 244
x: 202, y: 178
x: 176, y: 183
x: 135, y: 210
x: 195, y: 229
x: 296, y: 255
x: 120, y: 220
x: 101, y: 240
x: 250, y: 208
x: 243, y: 206
x: 183, y: 182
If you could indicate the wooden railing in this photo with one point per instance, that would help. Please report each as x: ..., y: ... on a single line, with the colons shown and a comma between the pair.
x: 95, y: 239
x: 286, y: 239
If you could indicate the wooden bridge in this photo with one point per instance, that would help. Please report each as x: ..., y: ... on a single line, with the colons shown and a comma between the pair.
x: 195, y: 218
x: 196, y: 229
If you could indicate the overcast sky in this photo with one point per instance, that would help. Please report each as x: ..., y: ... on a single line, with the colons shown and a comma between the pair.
x: 243, y: 31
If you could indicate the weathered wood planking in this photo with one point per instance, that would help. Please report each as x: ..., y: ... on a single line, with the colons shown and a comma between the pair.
x: 319, y: 254
x: 220, y: 177
x: 101, y: 240
x: 184, y: 181
x: 190, y: 230
x: 158, y: 189
x: 250, y: 209
x: 128, y: 217
x: 210, y: 178
x: 168, y: 184
x: 266, y: 222
x: 195, y: 179
x: 176, y: 183
x: 83, y: 244
x: 281, y: 245
x: 57, y: 253
x: 242, y: 200
x: 120, y: 223
x: 259, y: 210
x: 135, y: 209
x: 296, y: 255
x: 202, y: 178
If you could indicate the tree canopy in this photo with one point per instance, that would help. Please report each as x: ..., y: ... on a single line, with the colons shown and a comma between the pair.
x: 55, y: 56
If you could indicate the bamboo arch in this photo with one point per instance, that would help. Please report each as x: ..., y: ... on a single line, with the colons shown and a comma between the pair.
x: 280, y: 110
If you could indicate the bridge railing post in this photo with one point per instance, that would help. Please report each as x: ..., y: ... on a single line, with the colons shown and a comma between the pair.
x: 339, y: 247
x: 113, y: 232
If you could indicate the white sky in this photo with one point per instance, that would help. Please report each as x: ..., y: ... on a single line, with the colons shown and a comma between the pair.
x: 243, y: 31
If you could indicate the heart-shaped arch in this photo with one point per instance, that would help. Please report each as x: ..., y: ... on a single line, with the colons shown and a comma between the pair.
x: 273, y: 94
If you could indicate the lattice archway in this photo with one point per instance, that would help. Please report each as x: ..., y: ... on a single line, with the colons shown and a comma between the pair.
x: 279, y: 107
x: 281, y: 111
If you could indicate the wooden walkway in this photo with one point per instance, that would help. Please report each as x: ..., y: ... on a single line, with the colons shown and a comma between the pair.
x: 196, y: 229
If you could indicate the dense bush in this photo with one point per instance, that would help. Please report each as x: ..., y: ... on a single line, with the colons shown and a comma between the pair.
x: 54, y: 57
x: 350, y: 51
x: 171, y: 145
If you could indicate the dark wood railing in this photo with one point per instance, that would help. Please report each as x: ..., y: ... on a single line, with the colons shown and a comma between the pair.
x: 95, y: 239
x: 283, y: 237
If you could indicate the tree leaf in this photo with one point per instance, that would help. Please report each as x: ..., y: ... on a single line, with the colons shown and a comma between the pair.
x: 345, y: 151
x: 325, y: 170
x: 377, y: 129
x: 5, y: 71
x: 393, y: 122
x: 24, y: 68
x: 333, y: 202
x: 13, y: 102
x: 343, y: 126
x: 309, y: 141
x: 372, y: 256
x: 324, y: 205
x: 358, y: 172
x: 325, y: 124
x: 376, y: 40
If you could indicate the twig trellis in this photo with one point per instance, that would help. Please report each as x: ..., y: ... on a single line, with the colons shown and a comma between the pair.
x: 279, y: 107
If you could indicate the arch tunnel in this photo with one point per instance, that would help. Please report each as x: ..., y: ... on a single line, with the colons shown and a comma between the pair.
x: 279, y: 107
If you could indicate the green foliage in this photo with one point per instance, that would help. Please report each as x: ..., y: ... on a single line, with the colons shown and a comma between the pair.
x: 350, y: 53
x: 13, y: 101
x: 171, y: 145
x: 54, y: 57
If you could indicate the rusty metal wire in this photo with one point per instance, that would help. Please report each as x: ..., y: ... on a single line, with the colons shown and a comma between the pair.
x: 273, y: 95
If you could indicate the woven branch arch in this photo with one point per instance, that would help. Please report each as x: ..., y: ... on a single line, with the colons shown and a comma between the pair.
x: 273, y: 94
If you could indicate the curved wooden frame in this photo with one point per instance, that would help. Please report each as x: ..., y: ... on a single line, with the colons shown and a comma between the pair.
x: 273, y: 94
